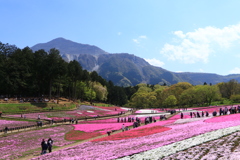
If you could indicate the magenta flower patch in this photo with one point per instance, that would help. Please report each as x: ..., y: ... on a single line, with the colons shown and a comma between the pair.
x: 231, y: 117
x: 103, y: 128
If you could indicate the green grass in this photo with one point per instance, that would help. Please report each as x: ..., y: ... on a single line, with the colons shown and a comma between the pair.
x: 17, y: 119
x: 13, y: 108
x: 102, y: 104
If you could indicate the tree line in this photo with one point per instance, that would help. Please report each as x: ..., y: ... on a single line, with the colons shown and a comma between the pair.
x: 184, y: 94
x: 24, y: 73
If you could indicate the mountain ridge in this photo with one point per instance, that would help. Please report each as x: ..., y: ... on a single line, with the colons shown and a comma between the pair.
x: 126, y: 69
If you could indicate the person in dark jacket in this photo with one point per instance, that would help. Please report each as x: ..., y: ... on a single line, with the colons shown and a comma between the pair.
x: 6, y: 129
x: 181, y: 115
x: 50, y: 143
x: 44, y: 146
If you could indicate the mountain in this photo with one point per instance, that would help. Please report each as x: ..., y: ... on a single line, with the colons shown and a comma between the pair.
x: 69, y: 47
x: 125, y: 69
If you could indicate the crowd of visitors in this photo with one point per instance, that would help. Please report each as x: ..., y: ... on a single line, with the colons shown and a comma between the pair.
x: 222, y: 111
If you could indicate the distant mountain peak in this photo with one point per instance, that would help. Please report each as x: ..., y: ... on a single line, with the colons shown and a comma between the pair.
x: 69, y: 47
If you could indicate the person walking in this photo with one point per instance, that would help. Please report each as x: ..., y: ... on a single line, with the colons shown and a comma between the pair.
x: 50, y: 143
x: 109, y: 133
x: 126, y: 128
x: 123, y: 127
x: 44, y: 146
x: 6, y: 129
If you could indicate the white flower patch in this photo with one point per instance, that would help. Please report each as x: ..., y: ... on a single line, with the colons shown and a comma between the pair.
x: 187, y: 120
x: 152, y: 115
x: 167, y: 150
x: 90, y: 111
x: 125, y: 108
x: 79, y: 113
x: 147, y: 111
x: 188, y: 111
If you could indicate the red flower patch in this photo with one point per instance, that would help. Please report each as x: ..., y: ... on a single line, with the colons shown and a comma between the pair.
x: 134, y: 133
x: 80, y: 135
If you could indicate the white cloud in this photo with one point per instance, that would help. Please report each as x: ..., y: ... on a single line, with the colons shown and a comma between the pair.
x: 200, y: 44
x: 136, y: 41
x: 139, y: 39
x: 179, y: 34
x: 236, y: 70
x: 143, y: 37
x: 155, y: 62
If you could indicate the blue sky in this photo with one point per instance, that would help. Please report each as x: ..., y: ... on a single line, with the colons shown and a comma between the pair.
x: 177, y: 35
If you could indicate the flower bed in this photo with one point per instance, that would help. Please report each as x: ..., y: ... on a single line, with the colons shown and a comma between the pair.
x: 110, y: 120
x: 178, y: 116
x: 162, y: 152
x: 102, y: 128
x: 114, y: 108
x: 148, y: 111
x: 223, y: 148
x: 124, y: 147
x: 16, y: 145
x: 138, y: 132
x: 30, y: 115
x: 87, y: 131
x: 231, y: 117
x: 13, y: 124
x: 80, y: 135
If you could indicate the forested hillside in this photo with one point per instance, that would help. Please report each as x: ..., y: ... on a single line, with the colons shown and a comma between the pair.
x: 24, y: 73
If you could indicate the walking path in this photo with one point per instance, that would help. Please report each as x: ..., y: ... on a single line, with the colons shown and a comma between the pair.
x: 60, y: 123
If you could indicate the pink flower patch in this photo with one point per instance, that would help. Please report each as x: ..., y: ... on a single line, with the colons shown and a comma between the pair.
x: 178, y: 116
x: 100, y: 127
x: 231, y: 117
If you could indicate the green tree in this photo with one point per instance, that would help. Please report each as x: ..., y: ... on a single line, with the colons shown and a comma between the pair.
x: 56, y: 68
x: 235, y: 98
x: 206, y: 93
x: 170, y: 101
x: 188, y: 97
x: 74, y: 73
x: 230, y: 88
x: 101, y: 91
